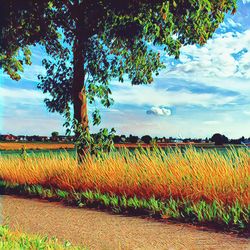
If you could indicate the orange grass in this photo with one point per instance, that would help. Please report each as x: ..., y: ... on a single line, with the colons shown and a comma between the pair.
x: 193, y: 175
x: 30, y: 145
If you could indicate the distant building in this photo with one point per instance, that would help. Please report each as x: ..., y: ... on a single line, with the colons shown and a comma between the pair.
x: 162, y: 140
x: 62, y: 138
x: 70, y: 138
x: 8, y: 137
x: 178, y: 140
x: 21, y: 138
x: 43, y: 138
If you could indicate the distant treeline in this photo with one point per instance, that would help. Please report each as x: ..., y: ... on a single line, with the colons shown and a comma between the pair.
x: 217, y: 139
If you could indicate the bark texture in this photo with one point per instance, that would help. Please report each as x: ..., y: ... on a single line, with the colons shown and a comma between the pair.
x: 79, y: 90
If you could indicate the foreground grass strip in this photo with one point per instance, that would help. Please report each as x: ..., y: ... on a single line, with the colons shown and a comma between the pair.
x: 10, y: 240
x: 228, y: 217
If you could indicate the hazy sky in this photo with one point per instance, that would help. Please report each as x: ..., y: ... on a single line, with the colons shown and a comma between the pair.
x: 206, y: 91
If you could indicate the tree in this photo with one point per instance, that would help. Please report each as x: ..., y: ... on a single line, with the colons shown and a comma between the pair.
x: 146, y: 139
x: 133, y: 139
x: 90, y: 42
x: 54, y: 134
x: 219, y: 139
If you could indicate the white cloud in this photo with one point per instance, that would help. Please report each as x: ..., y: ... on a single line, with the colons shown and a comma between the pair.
x: 31, y: 73
x: 21, y: 96
x: 159, y: 111
x: 233, y: 23
x: 246, y: 1
x: 153, y: 96
x: 230, y: 23
x: 224, y: 62
x: 33, y: 126
x: 211, y: 122
x: 247, y: 112
x: 24, y: 112
x: 244, y: 65
x: 217, y: 58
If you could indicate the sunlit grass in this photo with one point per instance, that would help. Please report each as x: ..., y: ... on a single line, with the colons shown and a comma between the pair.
x: 192, y: 175
x: 10, y: 240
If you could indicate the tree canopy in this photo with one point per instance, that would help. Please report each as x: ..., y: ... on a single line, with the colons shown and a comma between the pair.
x: 219, y: 139
x: 55, y: 134
x: 91, y: 42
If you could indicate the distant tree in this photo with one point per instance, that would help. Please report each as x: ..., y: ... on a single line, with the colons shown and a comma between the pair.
x: 90, y: 42
x: 133, y: 139
x: 146, y: 139
x: 54, y: 134
x: 219, y: 139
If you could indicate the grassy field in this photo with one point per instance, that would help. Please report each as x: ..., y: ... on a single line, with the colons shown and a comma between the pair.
x: 35, y: 149
x: 15, y: 146
x: 202, y: 185
x: 10, y: 240
x: 37, y: 153
x: 34, y: 145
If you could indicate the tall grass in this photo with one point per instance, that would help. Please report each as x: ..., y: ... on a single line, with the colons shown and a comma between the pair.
x: 191, y: 175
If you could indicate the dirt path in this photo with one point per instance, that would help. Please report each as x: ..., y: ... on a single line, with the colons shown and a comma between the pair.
x: 101, y: 230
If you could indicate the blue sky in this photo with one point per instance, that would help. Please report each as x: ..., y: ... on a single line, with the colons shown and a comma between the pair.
x: 206, y: 91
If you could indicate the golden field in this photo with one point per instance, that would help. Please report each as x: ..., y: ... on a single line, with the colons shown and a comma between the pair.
x: 36, y: 145
x: 193, y: 175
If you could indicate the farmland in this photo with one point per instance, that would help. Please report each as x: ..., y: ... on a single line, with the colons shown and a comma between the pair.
x: 194, y: 185
x: 54, y: 146
x: 34, y: 146
x: 14, y: 148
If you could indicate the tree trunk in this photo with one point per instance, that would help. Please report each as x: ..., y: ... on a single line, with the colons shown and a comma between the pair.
x: 79, y: 92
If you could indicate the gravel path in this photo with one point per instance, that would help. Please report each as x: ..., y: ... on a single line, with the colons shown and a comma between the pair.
x: 101, y: 230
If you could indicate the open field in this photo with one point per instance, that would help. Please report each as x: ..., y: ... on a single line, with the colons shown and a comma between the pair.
x: 203, y: 186
x: 53, y: 145
x: 34, y: 145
